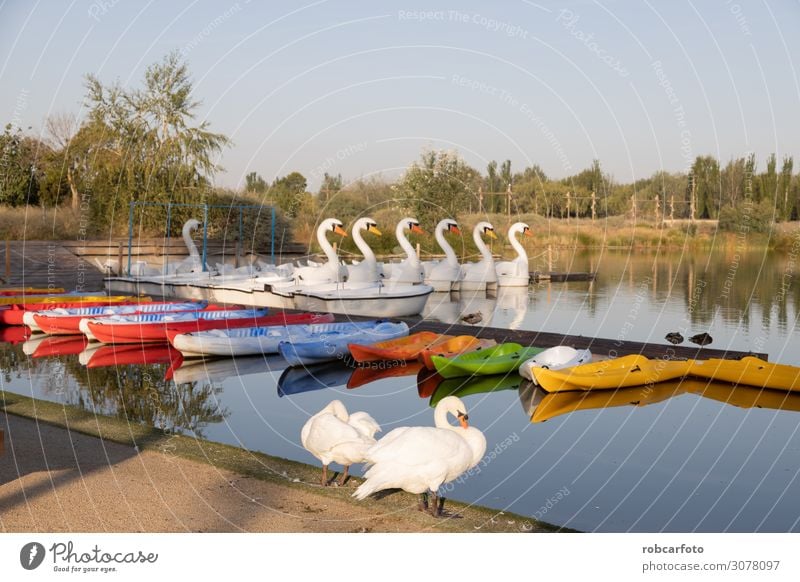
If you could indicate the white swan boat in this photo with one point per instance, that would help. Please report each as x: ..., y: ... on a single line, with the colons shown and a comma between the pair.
x: 515, y: 273
x: 409, y: 270
x: 480, y: 276
x: 444, y: 275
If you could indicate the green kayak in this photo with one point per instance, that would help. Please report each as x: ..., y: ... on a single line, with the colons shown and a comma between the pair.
x: 476, y: 385
x: 500, y: 359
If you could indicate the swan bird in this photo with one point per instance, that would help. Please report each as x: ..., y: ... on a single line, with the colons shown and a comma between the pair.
x: 334, y: 436
x: 421, y: 459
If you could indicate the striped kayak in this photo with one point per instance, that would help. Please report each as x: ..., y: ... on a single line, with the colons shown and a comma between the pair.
x: 244, y: 341
x: 66, y: 321
x: 750, y: 371
x: 12, y: 291
x: 157, y: 327
x: 453, y: 347
x: 404, y: 348
x: 624, y: 372
x: 323, y: 343
x: 500, y: 359
x: 462, y: 387
x: 15, y: 314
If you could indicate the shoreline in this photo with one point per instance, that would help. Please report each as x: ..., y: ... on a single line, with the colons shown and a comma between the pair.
x: 268, y: 477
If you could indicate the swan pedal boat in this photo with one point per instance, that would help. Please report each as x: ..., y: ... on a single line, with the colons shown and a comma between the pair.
x: 153, y: 327
x: 66, y: 321
x: 14, y: 314
x: 624, y: 372
x: 329, y: 342
x: 500, y: 359
x: 247, y: 340
x: 406, y: 348
x: 461, y: 344
x: 750, y: 371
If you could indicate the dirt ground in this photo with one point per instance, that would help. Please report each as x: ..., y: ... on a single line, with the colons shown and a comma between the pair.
x: 56, y: 480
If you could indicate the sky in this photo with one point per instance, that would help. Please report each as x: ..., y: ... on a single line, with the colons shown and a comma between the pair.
x: 361, y: 89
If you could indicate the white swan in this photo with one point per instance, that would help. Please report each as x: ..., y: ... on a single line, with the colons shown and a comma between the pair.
x: 330, y: 272
x: 421, y: 459
x: 444, y: 275
x: 515, y: 273
x: 334, y: 436
x: 481, y: 275
x: 192, y: 263
x: 367, y: 270
x: 409, y: 270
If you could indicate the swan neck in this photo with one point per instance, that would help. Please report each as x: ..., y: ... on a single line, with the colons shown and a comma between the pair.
x: 326, y: 246
x: 440, y: 419
x: 517, y: 246
x: 484, y: 250
x: 187, y: 240
x: 404, y: 243
x: 362, y: 246
x: 448, y: 250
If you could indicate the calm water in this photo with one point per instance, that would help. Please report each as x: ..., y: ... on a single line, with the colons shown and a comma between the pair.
x: 684, y: 459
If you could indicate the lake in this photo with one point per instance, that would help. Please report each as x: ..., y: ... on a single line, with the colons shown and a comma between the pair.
x: 682, y: 457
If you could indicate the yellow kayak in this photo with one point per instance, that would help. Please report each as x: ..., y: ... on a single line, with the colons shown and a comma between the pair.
x: 750, y: 371
x: 746, y: 396
x: 624, y: 372
x: 6, y: 291
x: 74, y: 298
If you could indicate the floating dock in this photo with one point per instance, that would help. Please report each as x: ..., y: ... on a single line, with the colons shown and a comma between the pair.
x: 537, y: 276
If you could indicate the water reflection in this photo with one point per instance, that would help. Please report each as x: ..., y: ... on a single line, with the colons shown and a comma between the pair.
x: 298, y: 380
x: 222, y: 369
x: 471, y: 385
x: 382, y: 370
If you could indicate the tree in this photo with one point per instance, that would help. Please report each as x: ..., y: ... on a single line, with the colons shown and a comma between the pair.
x: 288, y: 193
x: 18, y: 183
x: 330, y: 186
x: 438, y: 184
x: 255, y: 183
x: 787, y: 202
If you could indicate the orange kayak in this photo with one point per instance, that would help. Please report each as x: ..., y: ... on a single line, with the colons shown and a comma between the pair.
x: 404, y: 348
x: 456, y: 346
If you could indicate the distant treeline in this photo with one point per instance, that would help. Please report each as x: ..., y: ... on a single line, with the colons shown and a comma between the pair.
x: 144, y: 144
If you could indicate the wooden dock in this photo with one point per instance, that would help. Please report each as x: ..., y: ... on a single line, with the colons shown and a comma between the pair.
x: 537, y: 276
x: 47, y: 264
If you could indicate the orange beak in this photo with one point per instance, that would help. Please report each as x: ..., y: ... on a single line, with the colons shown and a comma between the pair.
x: 338, y: 230
x: 416, y: 229
x: 455, y: 230
x: 528, y: 232
x: 463, y: 421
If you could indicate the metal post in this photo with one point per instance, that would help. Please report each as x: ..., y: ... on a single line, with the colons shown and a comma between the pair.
x: 167, y: 238
x: 8, y: 261
x: 272, y: 242
x: 130, y: 236
x: 205, y: 236
x: 240, y: 241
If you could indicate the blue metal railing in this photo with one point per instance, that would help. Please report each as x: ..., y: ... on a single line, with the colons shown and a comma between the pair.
x: 205, y: 207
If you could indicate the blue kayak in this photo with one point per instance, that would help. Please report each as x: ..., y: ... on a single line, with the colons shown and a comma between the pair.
x: 300, y: 380
x: 327, y: 342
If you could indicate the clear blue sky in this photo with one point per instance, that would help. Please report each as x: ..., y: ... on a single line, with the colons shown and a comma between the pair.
x: 361, y: 88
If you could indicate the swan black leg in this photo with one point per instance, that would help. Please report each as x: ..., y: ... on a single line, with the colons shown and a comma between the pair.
x: 441, y: 506
x: 422, y: 503
x: 434, y: 505
x: 344, y: 475
x: 324, y: 475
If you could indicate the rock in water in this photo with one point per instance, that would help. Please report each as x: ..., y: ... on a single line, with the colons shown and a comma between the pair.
x: 674, y: 338
x: 473, y: 318
x: 701, y: 339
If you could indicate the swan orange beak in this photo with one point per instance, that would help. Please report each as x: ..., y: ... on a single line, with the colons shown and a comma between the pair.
x: 374, y: 230
x: 455, y: 230
x: 491, y: 234
x: 463, y: 420
x: 527, y: 232
x: 416, y: 229
x: 339, y: 230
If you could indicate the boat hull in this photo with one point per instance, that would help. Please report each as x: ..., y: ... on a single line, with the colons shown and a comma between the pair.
x: 407, y: 348
x: 750, y: 371
x: 624, y: 372
x: 501, y: 359
x: 382, y: 302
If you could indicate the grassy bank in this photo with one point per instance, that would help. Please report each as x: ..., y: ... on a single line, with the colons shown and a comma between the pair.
x: 284, y: 472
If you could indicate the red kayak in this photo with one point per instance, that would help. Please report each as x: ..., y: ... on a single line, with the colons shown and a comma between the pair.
x: 13, y: 314
x: 60, y: 346
x: 14, y: 335
x: 142, y: 329
x: 126, y: 355
x: 67, y: 323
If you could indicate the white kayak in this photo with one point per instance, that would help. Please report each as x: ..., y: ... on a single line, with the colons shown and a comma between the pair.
x: 554, y: 358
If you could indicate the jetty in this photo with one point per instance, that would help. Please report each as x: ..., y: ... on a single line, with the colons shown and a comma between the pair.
x: 47, y: 264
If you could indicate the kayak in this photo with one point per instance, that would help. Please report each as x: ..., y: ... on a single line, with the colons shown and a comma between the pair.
x: 624, y: 372
x: 451, y: 348
x: 245, y: 340
x: 316, y: 377
x: 60, y: 346
x: 750, y: 371
x: 404, y: 348
x: 128, y: 354
x: 67, y: 298
x: 560, y: 403
x: 220, y: 370
x: 156, y: 327
x: 462, y: 387
x: 367, y: 374
x: 12, y: 291
x: 14, y: 334
x: 315, y: 344
x: 746, y: 396
x: 64, y: 321
x: 500, y: 359
x: 15, y: 314
x: 554, y: 358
